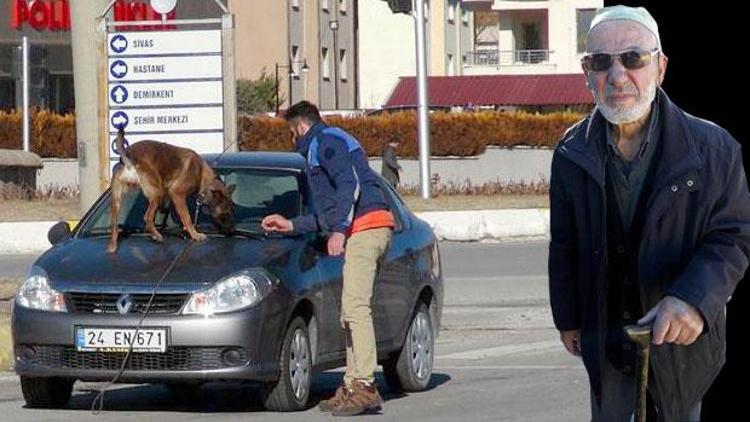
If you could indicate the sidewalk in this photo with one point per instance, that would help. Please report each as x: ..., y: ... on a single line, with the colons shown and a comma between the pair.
x: 456, y: 226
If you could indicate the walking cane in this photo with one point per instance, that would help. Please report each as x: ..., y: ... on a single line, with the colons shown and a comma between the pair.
x: 641, y: 335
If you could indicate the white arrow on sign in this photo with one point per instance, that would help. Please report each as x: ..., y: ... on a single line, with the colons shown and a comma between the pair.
x: 119, y: 119
x: 119, y: 43
x: 119, y: 93
x: 119, y: 69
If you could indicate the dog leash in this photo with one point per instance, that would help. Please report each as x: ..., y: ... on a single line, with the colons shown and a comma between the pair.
x: 97, y: 409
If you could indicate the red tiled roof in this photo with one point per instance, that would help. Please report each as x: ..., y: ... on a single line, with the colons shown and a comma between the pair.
x: 569, y: 89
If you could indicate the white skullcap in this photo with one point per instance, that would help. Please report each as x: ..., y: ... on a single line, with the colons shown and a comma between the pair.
x: 635, y: 14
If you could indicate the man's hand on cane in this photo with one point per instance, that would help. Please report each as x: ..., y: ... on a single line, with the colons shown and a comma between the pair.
x: 675, y: 321
x: 572, y: 341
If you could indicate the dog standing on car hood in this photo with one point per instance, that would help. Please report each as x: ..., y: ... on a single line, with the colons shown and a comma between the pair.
x: 162, y: 170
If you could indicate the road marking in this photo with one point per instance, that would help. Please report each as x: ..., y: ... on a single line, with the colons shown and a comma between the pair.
x: 506, y: 367
x: 520, y: 277
x: 8, y: 376
x: 514, y: 349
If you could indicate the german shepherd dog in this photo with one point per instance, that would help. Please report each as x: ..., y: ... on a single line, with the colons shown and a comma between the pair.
x: 162, y: 170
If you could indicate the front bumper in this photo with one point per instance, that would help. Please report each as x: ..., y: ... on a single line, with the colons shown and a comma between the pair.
x: 197, y: 346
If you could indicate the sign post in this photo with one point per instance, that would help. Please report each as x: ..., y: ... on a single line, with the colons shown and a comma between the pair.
x: 174, y: 86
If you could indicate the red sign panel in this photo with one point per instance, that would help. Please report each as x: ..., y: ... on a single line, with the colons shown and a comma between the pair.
x: 54, y: 15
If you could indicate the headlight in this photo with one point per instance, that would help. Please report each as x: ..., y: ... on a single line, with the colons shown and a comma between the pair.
x: 35, y: 293
x: 233, y: 293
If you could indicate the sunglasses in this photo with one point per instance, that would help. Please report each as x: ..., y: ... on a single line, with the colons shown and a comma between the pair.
x: 631, y: 59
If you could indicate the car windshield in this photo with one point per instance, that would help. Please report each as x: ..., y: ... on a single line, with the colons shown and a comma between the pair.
x: 258, y: 193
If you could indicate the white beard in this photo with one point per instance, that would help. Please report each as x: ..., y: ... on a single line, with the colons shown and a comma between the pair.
x: 623, y: 114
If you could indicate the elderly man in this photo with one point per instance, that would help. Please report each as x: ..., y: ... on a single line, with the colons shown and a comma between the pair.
x: 650, y: 224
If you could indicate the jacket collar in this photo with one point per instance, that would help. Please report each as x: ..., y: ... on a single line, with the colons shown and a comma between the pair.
x: 302, y: 144
x: 586, y: 145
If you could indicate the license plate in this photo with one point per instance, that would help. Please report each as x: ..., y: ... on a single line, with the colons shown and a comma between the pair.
x: 91, y: 339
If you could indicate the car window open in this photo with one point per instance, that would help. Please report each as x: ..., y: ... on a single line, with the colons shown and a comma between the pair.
x: 258, y: 193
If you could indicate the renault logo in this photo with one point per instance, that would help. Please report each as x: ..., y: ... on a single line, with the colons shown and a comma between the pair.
x: 124, y: 303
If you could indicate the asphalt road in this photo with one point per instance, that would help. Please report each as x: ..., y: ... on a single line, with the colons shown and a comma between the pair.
x: 498, y: 358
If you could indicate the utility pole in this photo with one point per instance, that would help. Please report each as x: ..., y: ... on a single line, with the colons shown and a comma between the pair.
x: 85, y: 78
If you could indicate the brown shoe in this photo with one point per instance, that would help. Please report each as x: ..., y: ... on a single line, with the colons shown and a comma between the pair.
x: 330, y: 404
x: 362, y: 398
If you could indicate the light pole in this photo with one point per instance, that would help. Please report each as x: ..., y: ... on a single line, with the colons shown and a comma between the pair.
x: 290, y: 72
x: 334, y: 25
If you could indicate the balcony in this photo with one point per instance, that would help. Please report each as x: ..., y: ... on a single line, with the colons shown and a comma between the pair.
x: 494, y: 61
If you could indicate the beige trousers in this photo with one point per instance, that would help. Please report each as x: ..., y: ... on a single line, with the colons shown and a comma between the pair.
x: 363, y: 251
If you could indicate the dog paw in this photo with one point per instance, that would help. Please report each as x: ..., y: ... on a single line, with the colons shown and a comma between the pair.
x: 157, y: 237
x: 199, y: 237
x: 111, y: 248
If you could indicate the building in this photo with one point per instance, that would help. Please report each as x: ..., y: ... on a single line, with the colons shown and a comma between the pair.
x: 355, y: 50
x: 46, y: 23
x: 387, y: 46
x: 533, y: 93
x: 529, y: 37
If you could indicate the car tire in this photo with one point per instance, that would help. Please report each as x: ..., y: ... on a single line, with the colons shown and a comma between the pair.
x: 292, y: 390
x: 46, y: 392
x: 410, y: 370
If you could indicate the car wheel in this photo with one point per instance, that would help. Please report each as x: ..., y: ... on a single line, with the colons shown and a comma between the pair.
x: 46, y: 392
x: 292, y: 390
x: 411, y: 368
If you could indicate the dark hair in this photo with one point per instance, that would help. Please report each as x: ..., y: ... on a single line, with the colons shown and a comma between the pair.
x: 304, y: 110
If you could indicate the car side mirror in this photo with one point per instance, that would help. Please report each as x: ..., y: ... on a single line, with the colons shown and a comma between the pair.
x: 59, y: 233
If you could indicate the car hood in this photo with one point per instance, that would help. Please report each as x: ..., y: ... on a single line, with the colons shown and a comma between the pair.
x: 140, y: 262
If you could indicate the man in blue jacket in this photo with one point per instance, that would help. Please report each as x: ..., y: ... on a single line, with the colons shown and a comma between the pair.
x: 650, y: 224
x: 352, y: 211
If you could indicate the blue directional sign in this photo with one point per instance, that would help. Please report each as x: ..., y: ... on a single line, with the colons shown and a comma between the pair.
x: 119, y: 94
x: 118, y: 43
x: 120, y: 120
x: 118, y: 69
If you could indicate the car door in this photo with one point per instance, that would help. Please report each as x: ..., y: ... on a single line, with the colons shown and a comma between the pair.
x: 394, y: 284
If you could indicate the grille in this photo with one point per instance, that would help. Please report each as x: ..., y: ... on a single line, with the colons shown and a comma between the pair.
x: 175, y: 359
x: 105, y: 303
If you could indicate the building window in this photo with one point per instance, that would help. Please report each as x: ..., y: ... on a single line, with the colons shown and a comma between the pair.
x: 295, y: 4
x: 451, y: 66
x: 326, y: 65
x: 342, y: 65
x: 583, y: 22
x: 324, y: 5
x: 61, y: 98
x: 465, y: 16
x: 451, y: 12
x: 7, y: 93
x: 295, y: 62
x: 342, y: 6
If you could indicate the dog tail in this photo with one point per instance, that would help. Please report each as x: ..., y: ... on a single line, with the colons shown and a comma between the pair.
x: 120, y: 147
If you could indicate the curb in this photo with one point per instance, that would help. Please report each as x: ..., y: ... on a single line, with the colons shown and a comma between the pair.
x: 454, y: 226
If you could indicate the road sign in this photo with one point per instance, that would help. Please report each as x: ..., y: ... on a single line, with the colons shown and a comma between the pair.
x: 156, y: 120
x: 118, y: 94
x: 167, y: 86
x: 118, y: 43
x: 201, y: 143
x: 119, y: 120
x: 165, y: 68
x: 164, y: 43
x: 118, y: 69
x: 165, y: 94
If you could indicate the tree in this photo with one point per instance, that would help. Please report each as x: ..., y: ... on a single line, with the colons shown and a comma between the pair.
x: 257, y: 96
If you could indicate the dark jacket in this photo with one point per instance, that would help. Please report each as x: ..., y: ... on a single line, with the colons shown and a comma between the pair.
x: 694, y: 244
x: 342, y: 185
x: 390, y: 167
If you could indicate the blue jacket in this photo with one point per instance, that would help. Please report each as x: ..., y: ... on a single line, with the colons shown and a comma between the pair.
x: 342, y: 186
x: 694, y: 245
